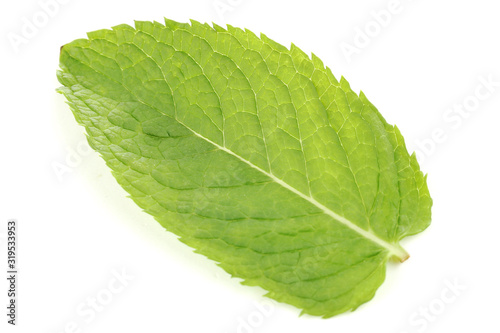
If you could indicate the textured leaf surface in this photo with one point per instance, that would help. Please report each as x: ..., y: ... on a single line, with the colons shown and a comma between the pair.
x: 254, y: 154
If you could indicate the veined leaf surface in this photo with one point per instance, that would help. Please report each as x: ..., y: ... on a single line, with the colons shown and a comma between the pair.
x: 254, y: 154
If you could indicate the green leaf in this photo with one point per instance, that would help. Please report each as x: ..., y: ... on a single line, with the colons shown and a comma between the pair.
x: 254, y: 154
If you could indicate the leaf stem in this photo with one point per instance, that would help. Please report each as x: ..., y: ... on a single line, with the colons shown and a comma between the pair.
x: 399, y: 254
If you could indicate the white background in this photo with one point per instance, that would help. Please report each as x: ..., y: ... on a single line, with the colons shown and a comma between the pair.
x: 78, y: 229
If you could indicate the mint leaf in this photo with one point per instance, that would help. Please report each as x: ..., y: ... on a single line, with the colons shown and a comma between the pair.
x: 254, y: 154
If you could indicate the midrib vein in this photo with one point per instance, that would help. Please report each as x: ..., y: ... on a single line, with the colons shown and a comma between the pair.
x: 394, y: 250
